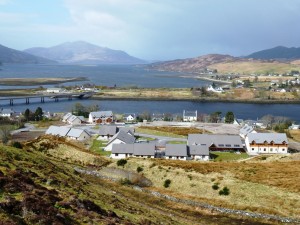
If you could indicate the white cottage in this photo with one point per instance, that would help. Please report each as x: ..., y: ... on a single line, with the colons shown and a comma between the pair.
x: 189, y: 116
x: 78, y: 134
x: 120, y: 138
x: 199, y: 152
x: 266, y: 143
x: 176, y: 151
x: 101, y: 117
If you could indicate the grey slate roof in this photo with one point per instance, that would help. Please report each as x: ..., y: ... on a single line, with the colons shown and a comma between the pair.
x: 144, y: 149
x: 246, y: 130
x: 122, y: 149
x: 101, y: 114
x: 129, y: 130
x: 107, y: 130
x: 72, y: 118
x: 56, y: 130
x: 277, y: 138
x: 123, y: 136
x: 220, y: 141
x: 74, y: 132
x: 176, y: 150
x: 198, y: 150
x: 66, y: 116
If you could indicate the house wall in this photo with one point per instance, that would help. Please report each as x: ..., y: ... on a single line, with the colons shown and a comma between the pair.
x: 144, y: 156
x: 176, y: 157
x: 118, y: 156
x: 109, y: 147
x: 77, y: 121
x: 200, y: 157
x: 189, y: 118
x: 268, y: 149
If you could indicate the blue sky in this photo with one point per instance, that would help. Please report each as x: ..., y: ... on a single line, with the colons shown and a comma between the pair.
x: 153, y: 29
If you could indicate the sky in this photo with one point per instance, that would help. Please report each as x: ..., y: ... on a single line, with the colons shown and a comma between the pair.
x: 153, y: 29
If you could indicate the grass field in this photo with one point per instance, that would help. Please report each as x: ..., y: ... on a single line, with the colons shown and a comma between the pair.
x: 295, y: 135
x: 177, y: 132
x: 227, y: 156
x: 261, y: 187
x: 97, y: 147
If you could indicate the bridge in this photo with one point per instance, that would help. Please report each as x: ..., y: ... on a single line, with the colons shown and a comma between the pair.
x: 56, y: 97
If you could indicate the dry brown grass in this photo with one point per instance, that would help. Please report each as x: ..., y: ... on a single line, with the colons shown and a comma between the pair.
x: 67, y: 150
x: 251, y: 188
x: 158, y: 93
x: 254, y: 67
x: 183, y: 131
x: 295, y: 135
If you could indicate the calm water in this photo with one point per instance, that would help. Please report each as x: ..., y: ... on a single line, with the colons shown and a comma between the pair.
x: 110, y: 75
x: 105, y: 75
x: 243, y: 111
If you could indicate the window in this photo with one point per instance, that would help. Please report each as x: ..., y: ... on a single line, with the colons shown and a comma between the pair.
x: 265, y: 149
x: 271, y: 149
x: 203, y: 144
x: 252, y: 149
x: 228, y: 145
x: 236, y: 145
x: 283, y: 149
x: 116, y: 154
x: 221, y: 145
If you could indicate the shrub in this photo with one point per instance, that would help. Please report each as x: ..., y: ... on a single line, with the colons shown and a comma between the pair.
x: 215, y: 186
x: 125, y: 181
x: 224, y: 191
x: 167, y: 183
x: 17, y: 144
x: 139, y: 169
x: 190, y: 177
x: 121, y: 162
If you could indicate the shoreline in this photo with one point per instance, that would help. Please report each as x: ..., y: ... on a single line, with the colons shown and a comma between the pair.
x: 198, y: 100
x: 39, y: 81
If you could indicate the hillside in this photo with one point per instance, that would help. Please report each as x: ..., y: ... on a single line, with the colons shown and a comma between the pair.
x: 84, y: 53
x: 55, y: 181
x: 226, y: 64
x: 8, y: 55
x: 280, y: 52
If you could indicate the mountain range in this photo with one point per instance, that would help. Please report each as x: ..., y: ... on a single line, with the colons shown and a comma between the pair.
x: 279, y: 53
x: 8, y: 55
x: 81, y: 52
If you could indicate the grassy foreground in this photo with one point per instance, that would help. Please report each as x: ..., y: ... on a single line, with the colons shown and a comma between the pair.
x: 40, y: 186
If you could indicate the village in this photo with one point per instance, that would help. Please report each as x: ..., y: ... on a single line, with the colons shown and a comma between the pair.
x: 120, y: 140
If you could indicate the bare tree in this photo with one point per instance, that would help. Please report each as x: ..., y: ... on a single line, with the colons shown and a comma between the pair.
x: 5, y: 133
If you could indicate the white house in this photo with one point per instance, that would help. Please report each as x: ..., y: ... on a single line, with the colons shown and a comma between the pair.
x: 106, y: 132
x: 75, y: 120
x: 6, y: 112
x: 55, y: 90
x: 176, y: 151
x: 73, y: 133
x: 121, y: 151
x: 199, y: 152
x: 144, y: 150
x: 294, y: 127
x: 216, y: 90
x: 120, y: 138
x: 101, y: 117
x: 266, y: 143
x: 189, y: 116
x: 78, y: 134
x: 216, y: 142
x: 129, y: 117
x: 58, y: 130
x: 66, y: 116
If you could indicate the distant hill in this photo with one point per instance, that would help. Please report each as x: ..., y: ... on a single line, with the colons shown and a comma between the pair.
x: 280, y: 53
x: 193, y: 64
x: 226, y: 64
x: 84, y: 53
x: 9, y: 55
